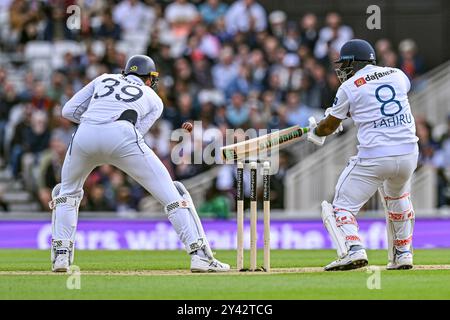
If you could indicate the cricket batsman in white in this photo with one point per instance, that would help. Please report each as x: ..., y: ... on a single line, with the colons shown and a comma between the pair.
x: 114, y: 111
x: 376, y: 98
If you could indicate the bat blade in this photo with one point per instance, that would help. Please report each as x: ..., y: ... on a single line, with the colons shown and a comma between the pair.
x: 263, y: 145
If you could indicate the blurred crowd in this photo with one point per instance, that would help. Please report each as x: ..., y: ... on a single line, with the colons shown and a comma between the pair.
x: 228, y: 65
x: 434, y: 146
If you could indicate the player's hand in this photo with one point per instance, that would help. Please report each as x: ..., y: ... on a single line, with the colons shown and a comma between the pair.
x: 340, y: 128
x: 311, y: 136
x: 187, y: 126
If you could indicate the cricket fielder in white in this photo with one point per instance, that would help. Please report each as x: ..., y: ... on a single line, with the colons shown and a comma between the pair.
x: 114, y: 112
x: 376, y: 98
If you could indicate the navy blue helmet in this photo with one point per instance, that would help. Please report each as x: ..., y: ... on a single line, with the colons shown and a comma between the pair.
x: 355, y: 54
x: 142, y: 66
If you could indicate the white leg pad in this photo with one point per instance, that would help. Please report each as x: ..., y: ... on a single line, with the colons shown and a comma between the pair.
x: 200, y: 236
x: 337, y: 237
x: 399, y: 221
x: 67, y: 243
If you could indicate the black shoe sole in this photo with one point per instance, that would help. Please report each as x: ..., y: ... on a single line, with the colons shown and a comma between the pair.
x: 404, y: 267
x: 353, y: 265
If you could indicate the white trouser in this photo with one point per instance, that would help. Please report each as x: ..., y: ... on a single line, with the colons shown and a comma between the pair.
x: 361, y: 179
x: 121, y: 145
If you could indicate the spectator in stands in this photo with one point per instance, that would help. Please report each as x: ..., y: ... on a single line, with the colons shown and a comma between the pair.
x: 332, y: 36
x: 96, y: 200
x: 50, y: 169
x: 19, y: 143
x: 441, y: 161
x: 212, y: 10
x: 245, y: 16
x: 201, y: 69
x: 111, y: 58
x: 226, y: 70
x: 297, y: 112
x: 27, y: 88
x: 134, y: 17
x: 291, y: 39
x: 410, y: 62
x: 37, y: 137
x: 258, y: 69
x: 268, y: 106
x: 311, y: 94
x: 217, y: 204
x: 185, y: 109
x: 289, y: 72
x: 427, y: 145
x: 208, y: 44
x: 31, y: 139
x: 238, y: 112
x: 8, y: 99
x: 383, y: 46
x: 270, y: 46
x: 389, y: 59
x: 181, y: 16
x: 39, y: 99
x: 109, y: 29
x: 220, y: 30
x: 55, y: 89
x: 277, y: 21
x: 23, y: 17
x: 71, y: 66
x: 241, y: 83
x: 309, y: 33
x: 124, y: 202
x: 322, y: 86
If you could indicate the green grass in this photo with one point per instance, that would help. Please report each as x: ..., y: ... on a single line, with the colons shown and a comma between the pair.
x: 410, y: 284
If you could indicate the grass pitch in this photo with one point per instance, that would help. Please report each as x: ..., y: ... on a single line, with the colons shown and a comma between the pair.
x: 24, y: 274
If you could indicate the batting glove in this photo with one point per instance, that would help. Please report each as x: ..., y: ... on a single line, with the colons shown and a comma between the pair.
x: 311, y: 136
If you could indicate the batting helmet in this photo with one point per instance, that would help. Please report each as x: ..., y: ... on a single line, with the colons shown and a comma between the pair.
x: 354, y: 55
x: 142, y: 66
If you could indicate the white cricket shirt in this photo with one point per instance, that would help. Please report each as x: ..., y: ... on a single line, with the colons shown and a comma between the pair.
x: 377, y: 100
x: 105, y: 98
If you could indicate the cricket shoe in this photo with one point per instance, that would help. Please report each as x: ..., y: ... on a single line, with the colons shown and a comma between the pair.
x: 353, y: 260
x: 62, y: 261
x: 402, y: 261
x: 199, y: 264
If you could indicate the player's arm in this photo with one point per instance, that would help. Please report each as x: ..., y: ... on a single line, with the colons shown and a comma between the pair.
x: 147, y: 121
x: 332, y: 123
x: 327, y: 126
x: 78, y: 104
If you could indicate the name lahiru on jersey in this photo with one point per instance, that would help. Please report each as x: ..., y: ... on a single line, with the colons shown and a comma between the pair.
x: 397, y: 120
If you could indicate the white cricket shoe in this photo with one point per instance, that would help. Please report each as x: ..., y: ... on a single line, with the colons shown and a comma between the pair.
x: 353, y: 260
x: 402, y: 261
x: 199, y: 264
x: 61, y: 263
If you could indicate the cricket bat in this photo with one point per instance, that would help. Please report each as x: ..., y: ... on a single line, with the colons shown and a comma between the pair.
x: 263, y: 145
